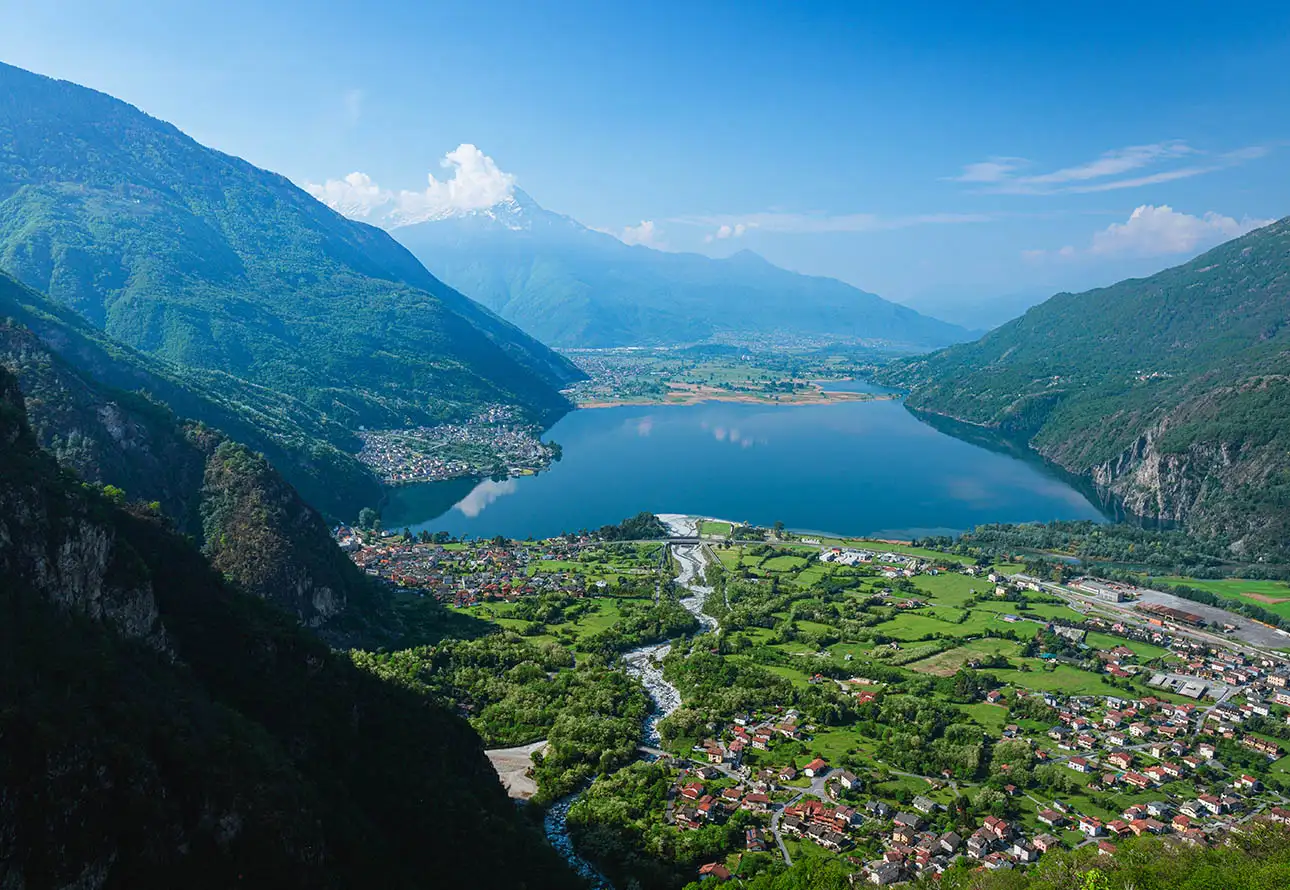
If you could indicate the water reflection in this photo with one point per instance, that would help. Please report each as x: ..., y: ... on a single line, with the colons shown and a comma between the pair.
x: 484, y: 494
x: 853, y: 467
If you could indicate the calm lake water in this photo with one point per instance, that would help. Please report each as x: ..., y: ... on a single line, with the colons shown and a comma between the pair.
x: 867, y: 468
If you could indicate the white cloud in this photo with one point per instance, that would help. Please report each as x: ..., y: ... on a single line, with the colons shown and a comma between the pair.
x: 726, y: 230
x: 993, y: 170
x: 355, y: 196
x: 1114, y: 163
x: 475, y: 183
x: 1159, y: 230
x: 1107, y: 172
x: 646, y: 234
x: 1155, y: 230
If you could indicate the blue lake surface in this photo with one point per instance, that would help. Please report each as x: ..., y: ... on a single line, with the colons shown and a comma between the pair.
x: 868, y: 468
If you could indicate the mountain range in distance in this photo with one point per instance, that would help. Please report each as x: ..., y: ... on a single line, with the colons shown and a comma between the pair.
x: 571, y: 286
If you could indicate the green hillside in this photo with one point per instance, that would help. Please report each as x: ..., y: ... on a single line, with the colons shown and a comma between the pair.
x: 245, y: 516
x: 163, y: 729
x: 53, y: 347
x: 1170, y: 392
x: 211, y: 263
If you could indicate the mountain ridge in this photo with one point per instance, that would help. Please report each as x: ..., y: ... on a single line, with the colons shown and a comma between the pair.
x: 1171, y: 392
x: 313, y: 451
x: 204, y: 259
x: 572, y: 286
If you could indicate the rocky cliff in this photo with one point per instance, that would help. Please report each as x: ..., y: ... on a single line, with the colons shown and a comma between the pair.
x: 160, y: 728
x: 57, y: 545
x: 249, y: 521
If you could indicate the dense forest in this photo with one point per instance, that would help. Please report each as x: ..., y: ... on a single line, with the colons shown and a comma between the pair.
x: 515, y: 691
x: 1162, y: 551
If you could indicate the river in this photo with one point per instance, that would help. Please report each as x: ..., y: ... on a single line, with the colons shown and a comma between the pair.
x: 644, y: 664
x: 856, y: 468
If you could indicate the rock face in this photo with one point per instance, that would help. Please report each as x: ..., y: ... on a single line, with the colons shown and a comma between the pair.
x: 57, y: 548
x: 1166, y: 486
x: 160, y: 728
x: 248, y: 520
x: 1219, y: 488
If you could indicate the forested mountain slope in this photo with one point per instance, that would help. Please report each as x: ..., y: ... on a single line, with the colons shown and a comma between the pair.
x: 232, y: 502
x: 1171, y: 392
x: 572, y: 286
x: 312, y: 451
x: 163, y: 729
x: 212, y: 263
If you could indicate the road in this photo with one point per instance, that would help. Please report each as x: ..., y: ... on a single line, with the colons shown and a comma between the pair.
x: 816, y: 788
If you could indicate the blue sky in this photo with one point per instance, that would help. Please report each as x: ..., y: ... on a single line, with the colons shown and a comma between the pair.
x: 939, y: 154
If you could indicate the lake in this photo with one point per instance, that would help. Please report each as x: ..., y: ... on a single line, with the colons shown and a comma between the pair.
x: 858, y: 468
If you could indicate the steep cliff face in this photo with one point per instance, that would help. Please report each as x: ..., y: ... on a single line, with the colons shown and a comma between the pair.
x: 160, y: 728
x: 1221, y: 481
x: 249, y: 521
x: 104, y: 435
x: 1166, y: 486
x: 56, y: 545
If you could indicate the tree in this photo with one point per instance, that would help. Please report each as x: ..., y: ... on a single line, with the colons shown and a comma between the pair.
x: 367, y: 518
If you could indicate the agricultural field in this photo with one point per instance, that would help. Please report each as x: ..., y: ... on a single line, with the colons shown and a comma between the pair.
x: 947, y: 663
x: 1271, y: 595
x: 715, y: 528
x: 600, y: 613
x: 920, y: 679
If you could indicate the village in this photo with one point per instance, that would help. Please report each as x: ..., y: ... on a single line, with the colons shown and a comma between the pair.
x: 466, y: 573
x: 1119, y: 719
x: 1163, y: 755
x: 1189, y: 771
x: 494, y: 442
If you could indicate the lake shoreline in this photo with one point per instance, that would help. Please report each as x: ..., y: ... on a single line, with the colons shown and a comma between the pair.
x: 819, y: 397
x: 856, y: 468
